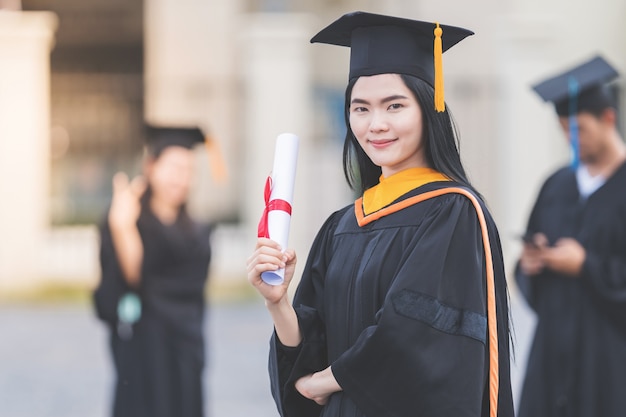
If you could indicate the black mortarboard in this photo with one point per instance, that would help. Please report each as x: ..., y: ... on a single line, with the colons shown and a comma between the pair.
x: 580, y: 88
x: 385, y: 44
x: 160, y: 137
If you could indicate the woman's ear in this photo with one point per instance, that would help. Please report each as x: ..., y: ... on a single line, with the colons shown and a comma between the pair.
x: 609, y: 117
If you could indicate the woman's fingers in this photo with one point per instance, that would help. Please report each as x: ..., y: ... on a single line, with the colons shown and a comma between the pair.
x: 266, y: 248
x: 120, y: 182
x: 138, y: 185
x: 260, y: 265
x: 267, y: 243
x: 266, y: 257
x: 289, y: 256
x: 264, y: 262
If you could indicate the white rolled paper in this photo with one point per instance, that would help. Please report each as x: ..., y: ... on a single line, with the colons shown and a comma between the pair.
x: 283, y: 180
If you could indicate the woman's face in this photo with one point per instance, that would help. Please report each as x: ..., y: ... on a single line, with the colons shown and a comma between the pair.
x: 170, y: 175
x: 386, y: 119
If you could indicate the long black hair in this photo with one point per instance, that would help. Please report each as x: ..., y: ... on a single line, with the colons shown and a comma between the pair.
x: 439, y: 136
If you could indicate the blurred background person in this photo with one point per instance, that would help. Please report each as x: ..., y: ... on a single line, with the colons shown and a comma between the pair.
x: 572, y: 269
x: 155, y: 261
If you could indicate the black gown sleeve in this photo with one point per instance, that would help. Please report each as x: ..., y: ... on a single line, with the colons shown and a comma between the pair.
x: 604, y: 274
x: 604, y: 269
x: 288, y: 364
x: 427, y: 354
x: 112, y: 284
x: 607, y: 276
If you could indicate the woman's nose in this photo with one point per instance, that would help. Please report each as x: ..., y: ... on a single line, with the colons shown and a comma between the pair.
x: 378, y: 122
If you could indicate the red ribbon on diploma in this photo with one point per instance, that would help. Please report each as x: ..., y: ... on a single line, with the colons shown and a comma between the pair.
x: 273, y: 205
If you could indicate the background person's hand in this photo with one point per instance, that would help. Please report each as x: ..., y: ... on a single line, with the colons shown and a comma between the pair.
x: 126, y: 201
x: 565, y: 257
x: 531, y: 261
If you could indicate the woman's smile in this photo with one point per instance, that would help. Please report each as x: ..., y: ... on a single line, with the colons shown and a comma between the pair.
x: 381, y: 143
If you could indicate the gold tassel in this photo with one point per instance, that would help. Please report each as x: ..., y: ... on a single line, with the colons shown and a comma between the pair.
x: 440, y: 104
x: 219, y: 173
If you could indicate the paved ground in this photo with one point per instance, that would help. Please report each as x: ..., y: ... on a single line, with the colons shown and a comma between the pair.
x: 54, y: 361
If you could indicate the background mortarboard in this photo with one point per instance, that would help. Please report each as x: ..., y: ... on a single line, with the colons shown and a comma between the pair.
x: 385, y: 44
x: 586, y: 83
x: 160, y: 137
x: 582, y: 88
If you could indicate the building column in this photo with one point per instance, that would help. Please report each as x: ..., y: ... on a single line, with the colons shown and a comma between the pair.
x: 26, y: 39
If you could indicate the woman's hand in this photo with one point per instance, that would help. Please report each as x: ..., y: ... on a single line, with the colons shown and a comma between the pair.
x: 126, y: 201
x: 268, y: 257
x: 318, y: 386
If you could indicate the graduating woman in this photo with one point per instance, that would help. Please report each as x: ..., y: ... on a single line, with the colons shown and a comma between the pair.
x: 402, y: 307
x: 154, y: 261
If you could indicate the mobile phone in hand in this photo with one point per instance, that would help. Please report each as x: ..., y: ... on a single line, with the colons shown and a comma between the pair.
x: 529, y: 239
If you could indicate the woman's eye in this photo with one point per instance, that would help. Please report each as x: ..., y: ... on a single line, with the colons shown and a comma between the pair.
x: 359, y: 109
x: 395, y: 106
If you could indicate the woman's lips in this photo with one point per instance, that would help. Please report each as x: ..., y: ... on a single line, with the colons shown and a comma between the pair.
x: 381, y: 143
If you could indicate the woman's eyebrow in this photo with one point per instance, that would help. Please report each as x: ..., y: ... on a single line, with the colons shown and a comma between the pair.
x: 359, y: 101
x: 384, y: 100
x: 394, y: 97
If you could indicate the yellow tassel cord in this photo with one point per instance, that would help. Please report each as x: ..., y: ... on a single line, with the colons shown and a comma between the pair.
x: 219, y: 173
x: 440, y: 104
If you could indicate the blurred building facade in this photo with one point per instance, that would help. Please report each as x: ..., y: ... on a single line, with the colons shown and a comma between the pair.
x: 244, y: 70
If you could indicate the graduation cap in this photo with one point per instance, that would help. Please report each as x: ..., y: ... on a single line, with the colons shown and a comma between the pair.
x: 582, y: 88
x: 585, y: 83
x: 160, y: 137
x: 385, y: 44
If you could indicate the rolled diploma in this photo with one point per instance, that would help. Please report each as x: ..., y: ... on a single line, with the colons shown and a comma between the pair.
x: 283, y: 179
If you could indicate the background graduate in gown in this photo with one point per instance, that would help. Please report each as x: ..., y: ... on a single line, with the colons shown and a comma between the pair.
x: 572, y: 270
x: 391, y: 316
x: 155, y: 261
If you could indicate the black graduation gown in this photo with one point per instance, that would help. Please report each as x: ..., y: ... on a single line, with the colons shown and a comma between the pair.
x: 159, y: 370
x: 577, y: 364
x: 398, y: 308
